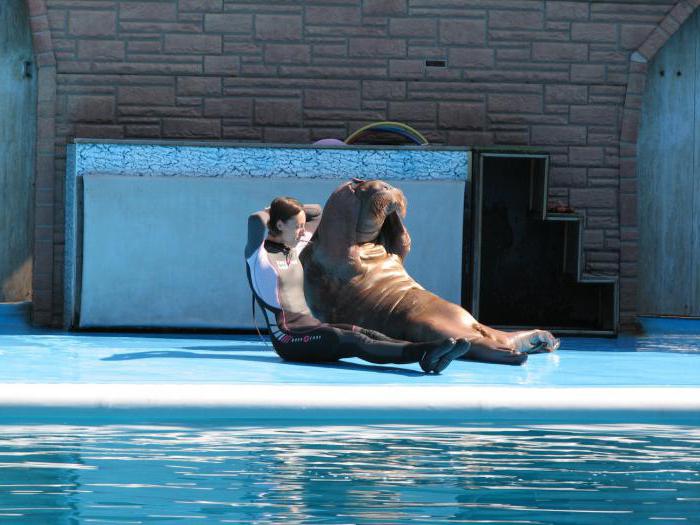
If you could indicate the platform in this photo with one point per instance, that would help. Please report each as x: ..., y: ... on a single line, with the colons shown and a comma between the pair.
x: 57, y: 375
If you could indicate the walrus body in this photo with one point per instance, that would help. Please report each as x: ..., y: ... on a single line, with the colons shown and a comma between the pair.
x: 354, y: 273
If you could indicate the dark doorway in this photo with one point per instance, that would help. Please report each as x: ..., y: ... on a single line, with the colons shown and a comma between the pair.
x: 17, y: 146
x: 528, y: 258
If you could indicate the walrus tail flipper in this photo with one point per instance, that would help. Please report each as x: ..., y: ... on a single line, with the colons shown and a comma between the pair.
x: 486, y: 350
x: 542, y: 347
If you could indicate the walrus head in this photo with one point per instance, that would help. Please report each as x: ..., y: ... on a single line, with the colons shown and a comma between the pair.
x: 382, y: 208
x: 361, y: 212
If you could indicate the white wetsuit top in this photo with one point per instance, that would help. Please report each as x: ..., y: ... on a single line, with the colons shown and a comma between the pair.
x: 277, y: 279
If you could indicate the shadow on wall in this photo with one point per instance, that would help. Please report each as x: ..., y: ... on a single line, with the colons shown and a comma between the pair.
x: 18, y: 286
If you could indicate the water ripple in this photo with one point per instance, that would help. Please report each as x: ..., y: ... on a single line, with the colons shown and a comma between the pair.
x: 536, y: 474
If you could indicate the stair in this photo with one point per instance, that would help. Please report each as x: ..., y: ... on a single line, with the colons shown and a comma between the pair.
x: 526, y: 266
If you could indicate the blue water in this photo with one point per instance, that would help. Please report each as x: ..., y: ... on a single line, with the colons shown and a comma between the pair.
x: 535, y: 474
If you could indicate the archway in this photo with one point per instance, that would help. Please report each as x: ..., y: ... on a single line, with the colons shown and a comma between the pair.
x: 18, y: 104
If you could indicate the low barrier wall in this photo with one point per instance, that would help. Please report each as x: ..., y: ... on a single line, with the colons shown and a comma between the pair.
x: 155, y: 232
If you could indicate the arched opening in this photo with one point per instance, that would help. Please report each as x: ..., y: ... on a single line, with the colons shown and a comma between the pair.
x: 17, y: 151
x: 668, y: 171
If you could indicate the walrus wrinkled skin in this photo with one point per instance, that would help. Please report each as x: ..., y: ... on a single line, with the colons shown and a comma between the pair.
x: 354, y: 273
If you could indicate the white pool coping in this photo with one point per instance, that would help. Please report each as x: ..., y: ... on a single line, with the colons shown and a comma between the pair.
x: 390, y: 403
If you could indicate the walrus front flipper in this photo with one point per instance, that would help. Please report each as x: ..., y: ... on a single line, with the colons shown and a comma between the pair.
x: 394, y: 236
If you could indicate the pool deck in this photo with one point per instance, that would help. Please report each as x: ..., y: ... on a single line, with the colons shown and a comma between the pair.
x: 51, y: 375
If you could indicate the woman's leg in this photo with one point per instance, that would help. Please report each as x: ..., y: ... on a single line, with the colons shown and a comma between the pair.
x: 433, y: 356
x: 315, y: 346
x: 329, y: 343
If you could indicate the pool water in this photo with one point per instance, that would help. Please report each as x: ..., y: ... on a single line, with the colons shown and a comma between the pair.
x: 533, y: 474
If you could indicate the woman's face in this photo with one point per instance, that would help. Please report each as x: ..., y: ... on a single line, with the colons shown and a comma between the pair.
x: 292, y: 229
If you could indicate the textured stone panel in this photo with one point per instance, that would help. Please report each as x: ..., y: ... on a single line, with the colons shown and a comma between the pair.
x: 173, y: 160
x: 222, y: 65
x: 198, y: 86
x: 228, y: 23
x: 562, y: 10
x: 332, y: 15
x: 515, y: 103
x: 557, y: 51
x: 166, y: 11
x: 384, y: 7
x: 462, y: 32
x: 193, y: 44
x: 515, y: 19
x: 565, y: 94
x: 278, y: 112
x: 92, y: 23
x: 147, y: 95
x: 278, y: 27
x: 461, y: 115
x: 413, y: 27
x: 469, y: 57
x: 91, y: 108
x: 101, y: 50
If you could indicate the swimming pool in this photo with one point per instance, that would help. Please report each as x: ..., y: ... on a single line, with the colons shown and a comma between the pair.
x: 536, y: 474
x: 182, y: 428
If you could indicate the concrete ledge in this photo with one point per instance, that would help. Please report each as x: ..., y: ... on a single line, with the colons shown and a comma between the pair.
x: 332, y: 404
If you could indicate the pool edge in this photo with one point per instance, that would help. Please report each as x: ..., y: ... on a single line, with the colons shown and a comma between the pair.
x: 69, y: 402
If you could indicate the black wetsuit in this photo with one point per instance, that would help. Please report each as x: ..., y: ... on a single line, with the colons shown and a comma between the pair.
x: 277, y: 279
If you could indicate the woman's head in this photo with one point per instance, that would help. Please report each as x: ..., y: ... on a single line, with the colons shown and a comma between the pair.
x: 287, y: 220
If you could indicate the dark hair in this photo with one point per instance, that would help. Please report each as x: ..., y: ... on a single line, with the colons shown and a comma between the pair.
x: 282, y: 209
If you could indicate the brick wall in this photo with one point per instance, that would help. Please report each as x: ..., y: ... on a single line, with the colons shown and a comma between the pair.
x: 551, y: 74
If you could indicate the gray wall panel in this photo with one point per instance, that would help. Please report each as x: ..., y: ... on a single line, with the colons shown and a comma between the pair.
x: 168, y: 251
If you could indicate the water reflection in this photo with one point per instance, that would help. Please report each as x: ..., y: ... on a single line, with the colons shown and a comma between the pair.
x: 350, y: 474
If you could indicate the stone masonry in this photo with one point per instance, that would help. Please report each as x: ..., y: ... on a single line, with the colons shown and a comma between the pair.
x: 565, y: 76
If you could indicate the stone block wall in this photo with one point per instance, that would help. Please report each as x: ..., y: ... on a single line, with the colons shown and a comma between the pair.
x: 547, y: 73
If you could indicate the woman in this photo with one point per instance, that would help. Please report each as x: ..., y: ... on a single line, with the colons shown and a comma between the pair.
x: 277, y: 280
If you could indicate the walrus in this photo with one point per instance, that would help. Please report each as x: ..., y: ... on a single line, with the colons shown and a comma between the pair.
x: 354, y: 273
